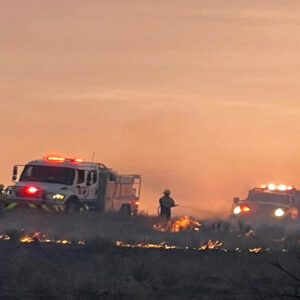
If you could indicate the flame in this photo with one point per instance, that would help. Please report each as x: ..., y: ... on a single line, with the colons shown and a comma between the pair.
x: 211, y: 245
x: 64, y: 242
x: 39, y: 237
x: 185, y: 223
x: 31, y: 238
x: 255, y: 250
x: 162, y: 245
x: 181, y: 224
x: 26, y: 239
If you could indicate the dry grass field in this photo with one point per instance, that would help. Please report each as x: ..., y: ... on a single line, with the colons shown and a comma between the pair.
x: 261, y: 262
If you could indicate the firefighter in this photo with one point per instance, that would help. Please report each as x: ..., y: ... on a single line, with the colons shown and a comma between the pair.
x: 166, y: 203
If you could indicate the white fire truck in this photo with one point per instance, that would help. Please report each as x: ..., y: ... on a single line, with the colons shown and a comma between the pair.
x: 269, y: 201
x: 66, y: 184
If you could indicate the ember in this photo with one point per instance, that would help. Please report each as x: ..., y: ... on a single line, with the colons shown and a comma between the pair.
x: 4, y: 237
x: 255, y: 250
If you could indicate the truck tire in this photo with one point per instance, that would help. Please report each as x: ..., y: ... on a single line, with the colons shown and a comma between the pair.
x: 72, y: 205
x: 125, y: 210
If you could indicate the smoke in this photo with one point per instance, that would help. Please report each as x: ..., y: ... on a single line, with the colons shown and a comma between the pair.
x: 171, y: 92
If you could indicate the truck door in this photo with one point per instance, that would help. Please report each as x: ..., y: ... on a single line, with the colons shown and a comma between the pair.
x: 102, y: 186
x: 81, y: 188
x: 92, y: 186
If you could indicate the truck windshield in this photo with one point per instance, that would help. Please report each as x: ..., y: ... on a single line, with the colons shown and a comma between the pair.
x: 48, y: 174
x: 269, y: 197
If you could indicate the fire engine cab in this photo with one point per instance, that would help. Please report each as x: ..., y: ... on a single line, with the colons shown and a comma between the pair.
x: 269, y: 201
x: 72, y: 184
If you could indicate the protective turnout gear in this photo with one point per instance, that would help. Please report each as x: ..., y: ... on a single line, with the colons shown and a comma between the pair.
x: 166, y: 203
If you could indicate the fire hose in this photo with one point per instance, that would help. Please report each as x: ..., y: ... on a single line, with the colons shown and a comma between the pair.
x: 159, y: 209
x: 188, y: 207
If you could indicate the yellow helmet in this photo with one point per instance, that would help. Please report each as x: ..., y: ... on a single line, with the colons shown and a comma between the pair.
x: 167, y: 192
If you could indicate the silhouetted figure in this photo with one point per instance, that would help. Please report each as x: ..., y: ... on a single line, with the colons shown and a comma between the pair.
x: 166, y: 203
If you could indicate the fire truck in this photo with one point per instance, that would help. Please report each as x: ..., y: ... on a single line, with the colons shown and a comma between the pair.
x: 269, y: 201
x: 71, y: 184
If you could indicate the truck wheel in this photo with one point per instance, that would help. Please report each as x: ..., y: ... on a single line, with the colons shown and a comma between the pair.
x: 125, y: 210
x: 72, y: 205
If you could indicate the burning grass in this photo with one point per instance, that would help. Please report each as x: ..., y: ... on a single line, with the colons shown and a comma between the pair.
x: 183, y: 233
x: 96, y: 256
x: 182, y: 224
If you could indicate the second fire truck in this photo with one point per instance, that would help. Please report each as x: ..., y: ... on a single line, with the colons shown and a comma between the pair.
x: 269, y: 201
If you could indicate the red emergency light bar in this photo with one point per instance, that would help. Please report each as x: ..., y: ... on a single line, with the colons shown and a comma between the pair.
x: 59, y: 159
x: 54, y: 158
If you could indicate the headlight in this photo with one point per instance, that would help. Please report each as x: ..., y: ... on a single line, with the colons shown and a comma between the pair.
x: 279, y: 212
x: 9, y: 190
x: 58, y: 197
x: 237, y: 210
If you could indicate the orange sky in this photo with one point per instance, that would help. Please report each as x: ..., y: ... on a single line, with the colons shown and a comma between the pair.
x: 200, y: 97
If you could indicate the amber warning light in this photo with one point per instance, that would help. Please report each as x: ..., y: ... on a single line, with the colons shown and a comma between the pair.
x: 77, y: 160
x: 241, y: 209
x: 274, y: 187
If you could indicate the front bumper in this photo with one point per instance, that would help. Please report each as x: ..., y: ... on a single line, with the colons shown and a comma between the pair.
x: 253, y: 217
x: 11, y: 203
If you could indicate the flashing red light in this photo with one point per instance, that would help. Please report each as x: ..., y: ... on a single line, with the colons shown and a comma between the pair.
x: 31, y: 190
x: 52, y: 158
x: 245, y: 209
x: 137, y: 203
x: 77, y: 160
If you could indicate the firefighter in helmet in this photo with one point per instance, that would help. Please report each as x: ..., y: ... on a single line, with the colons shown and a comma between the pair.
x: 166, y: 203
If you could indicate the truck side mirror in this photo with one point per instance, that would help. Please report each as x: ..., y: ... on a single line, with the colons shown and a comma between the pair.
x: 236, y: 200
x: 15, y: 173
